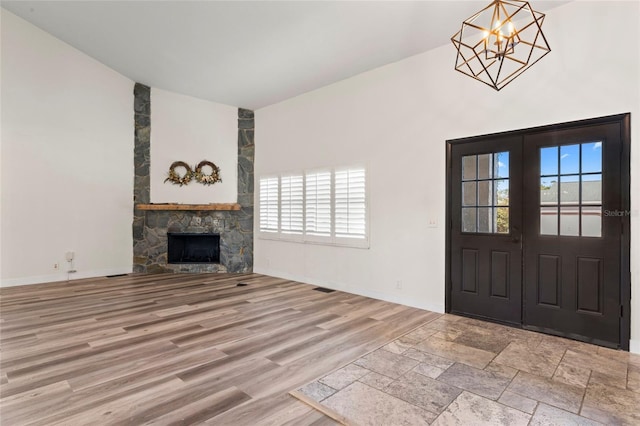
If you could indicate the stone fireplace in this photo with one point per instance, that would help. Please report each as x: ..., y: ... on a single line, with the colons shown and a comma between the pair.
x: 151, y: 227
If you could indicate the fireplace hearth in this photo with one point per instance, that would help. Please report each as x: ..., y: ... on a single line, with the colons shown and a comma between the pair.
x: 193, y: 248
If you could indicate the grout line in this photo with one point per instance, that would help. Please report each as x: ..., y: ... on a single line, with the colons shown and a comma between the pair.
x: 534, y: 412
x: 558, y: 366
x: 584, y: 395
x: 411, y: 403
x: 511, y: 380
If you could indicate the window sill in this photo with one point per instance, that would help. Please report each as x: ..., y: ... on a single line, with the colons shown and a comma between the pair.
x: 333, y: 242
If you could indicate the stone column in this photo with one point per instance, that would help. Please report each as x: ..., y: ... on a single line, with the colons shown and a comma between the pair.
x: 141, y: 158
x: 243, y: 261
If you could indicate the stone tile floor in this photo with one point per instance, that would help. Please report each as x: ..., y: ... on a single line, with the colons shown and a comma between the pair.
x: 461, y: 371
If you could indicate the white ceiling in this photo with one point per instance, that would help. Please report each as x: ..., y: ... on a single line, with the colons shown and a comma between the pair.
x: 249, y: 54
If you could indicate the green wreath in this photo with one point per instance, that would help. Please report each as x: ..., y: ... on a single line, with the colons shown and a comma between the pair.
x: 175, y: 178
x: 207, y: 179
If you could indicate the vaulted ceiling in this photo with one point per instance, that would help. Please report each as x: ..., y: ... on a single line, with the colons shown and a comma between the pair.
x: 249, y: 53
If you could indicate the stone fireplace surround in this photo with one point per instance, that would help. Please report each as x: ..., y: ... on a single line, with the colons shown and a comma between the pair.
x: 150, y: 227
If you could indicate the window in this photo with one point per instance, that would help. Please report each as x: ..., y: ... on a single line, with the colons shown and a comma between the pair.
x: 485, y: 193
x: 318, y: 203
x: 350, y: 203
x: 269, y: 204
x: 571, y: 190
x: 292, y: 207
x: 323, y: 206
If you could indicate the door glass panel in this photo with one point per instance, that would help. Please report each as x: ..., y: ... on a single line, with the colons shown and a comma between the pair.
x: 592, y: 189
x: 485, y: 193
x: 502, y: 220
x: 469, y: 167
x: 574, y: 190
x: 592, y: 157
x: 548, y: 191
x: 591, y: 221
x: 501, y: 165
x: 501, y: 192
x: 549, y: 161
x: 485, y: 219
x: 569, y: 159
x: 469, y: 193
x: 549, y: 220
x: 570, y: 221
x: 485, y: 166
x: 570, y: 190
x: 469, y: 219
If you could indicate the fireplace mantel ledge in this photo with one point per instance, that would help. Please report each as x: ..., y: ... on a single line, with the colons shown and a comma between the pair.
x: 192, y: 207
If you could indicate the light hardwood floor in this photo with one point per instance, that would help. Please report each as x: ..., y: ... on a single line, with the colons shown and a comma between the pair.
x: 180, y: 349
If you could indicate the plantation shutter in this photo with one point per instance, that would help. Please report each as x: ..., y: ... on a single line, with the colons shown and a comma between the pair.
x: 269, y: 204
x: 318, y: 203
x: 291, y: 204
x: 350, y: 203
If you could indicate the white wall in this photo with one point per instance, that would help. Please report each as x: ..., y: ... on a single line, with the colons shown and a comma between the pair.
x: 187, y: 129
x: 398, y: 117
x: 67, y: 160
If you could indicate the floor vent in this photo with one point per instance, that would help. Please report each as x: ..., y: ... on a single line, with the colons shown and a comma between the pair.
x: 116, y: 275
x: 242, y: 285
x: 324, y: 290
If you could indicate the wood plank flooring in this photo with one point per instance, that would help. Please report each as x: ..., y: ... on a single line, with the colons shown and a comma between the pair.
x: 180, y: 348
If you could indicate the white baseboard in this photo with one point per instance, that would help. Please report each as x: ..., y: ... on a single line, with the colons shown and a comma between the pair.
x: 62, y: 276
x: 634, y: 346
x: 426, y: 305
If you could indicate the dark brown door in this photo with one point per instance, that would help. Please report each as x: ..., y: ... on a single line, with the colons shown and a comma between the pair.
x: 572, y: 209
x: 539, y: 229
x: 486, y: 253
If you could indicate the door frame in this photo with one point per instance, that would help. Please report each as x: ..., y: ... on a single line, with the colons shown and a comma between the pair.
x: 624, y: 121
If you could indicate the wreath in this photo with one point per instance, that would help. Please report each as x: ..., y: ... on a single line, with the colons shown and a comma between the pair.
x: 175, y: 178
x: 207, y: 179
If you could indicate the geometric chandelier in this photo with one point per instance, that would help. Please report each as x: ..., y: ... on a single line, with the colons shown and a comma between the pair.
x: 500, y: 42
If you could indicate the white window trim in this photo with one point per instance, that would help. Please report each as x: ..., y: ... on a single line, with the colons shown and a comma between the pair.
x: 304, y: 238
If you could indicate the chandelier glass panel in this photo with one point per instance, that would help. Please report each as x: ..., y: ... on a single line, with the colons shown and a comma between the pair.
x: 500, y: 42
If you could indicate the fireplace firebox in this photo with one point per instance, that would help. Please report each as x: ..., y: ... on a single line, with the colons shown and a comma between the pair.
x: 193, y: 248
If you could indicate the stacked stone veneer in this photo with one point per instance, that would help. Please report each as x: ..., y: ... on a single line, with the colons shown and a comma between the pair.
x: 150, y: 227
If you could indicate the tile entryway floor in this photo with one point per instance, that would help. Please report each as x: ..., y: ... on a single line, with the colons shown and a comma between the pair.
x: 461, y: 371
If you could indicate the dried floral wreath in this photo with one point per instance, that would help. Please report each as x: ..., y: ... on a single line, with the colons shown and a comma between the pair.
x: 207, y: 179
x: 175, y: 178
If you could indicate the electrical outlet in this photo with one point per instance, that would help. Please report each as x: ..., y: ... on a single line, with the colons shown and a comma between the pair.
x: 69, y: 256
x: 56, y: 266
x: 399, y: 285
x: 432, y: 223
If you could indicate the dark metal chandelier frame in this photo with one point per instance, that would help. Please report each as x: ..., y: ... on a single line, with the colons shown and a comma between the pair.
x: 500, y: 42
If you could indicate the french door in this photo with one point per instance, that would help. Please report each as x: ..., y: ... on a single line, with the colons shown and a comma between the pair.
x: 486, y: 224
x: 537, y: 229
